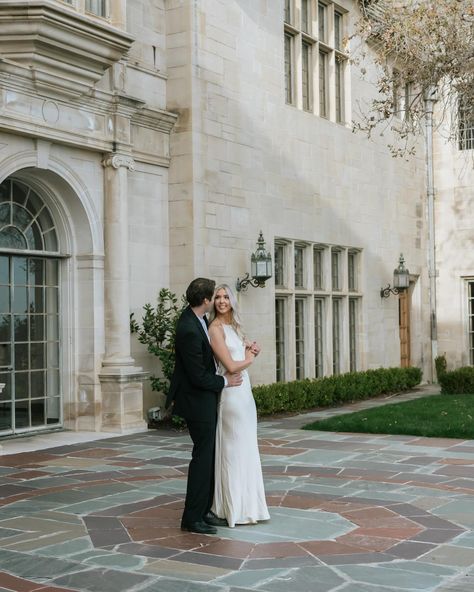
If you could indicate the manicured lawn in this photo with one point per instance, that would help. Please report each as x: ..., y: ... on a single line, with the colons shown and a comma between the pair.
x: 442, y: 416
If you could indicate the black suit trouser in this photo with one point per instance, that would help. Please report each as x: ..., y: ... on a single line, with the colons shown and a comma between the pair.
x: 200, y: 487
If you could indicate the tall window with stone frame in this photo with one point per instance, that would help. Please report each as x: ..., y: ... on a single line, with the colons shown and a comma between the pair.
x: 333, y: 62
x: 300, y: 43
x: 317, y: 304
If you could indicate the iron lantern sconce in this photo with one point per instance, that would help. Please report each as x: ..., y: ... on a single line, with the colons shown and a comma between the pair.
x: 260, y: 268
x: 401, y: 280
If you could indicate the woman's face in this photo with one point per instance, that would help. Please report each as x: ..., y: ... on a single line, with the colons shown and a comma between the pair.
x: 222, y: 302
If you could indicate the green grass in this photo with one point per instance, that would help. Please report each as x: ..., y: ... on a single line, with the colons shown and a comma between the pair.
x: 442, y: 416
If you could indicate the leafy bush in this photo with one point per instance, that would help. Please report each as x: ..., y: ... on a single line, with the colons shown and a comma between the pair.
x: 441, y: 366
x: 459, y: 381
x: 333, y: 390
x: 158, y: 332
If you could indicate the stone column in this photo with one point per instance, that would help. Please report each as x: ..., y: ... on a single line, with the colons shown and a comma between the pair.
x: 121, y: 380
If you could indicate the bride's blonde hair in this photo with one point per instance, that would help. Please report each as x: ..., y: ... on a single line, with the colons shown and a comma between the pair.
x: 236, y: 321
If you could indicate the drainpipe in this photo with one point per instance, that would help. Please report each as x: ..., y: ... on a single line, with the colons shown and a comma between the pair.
x: 430, y: 97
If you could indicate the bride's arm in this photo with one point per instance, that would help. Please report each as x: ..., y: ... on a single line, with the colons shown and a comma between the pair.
x: 221, y: 352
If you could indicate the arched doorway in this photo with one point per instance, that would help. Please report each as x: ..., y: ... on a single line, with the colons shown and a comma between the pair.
x: 30, y: 347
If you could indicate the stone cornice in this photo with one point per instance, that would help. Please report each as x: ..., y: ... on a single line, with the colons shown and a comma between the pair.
x: 65, y: 53
x: 155, y: 119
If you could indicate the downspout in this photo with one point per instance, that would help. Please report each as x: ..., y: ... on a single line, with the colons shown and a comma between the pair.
x: 430, y: 97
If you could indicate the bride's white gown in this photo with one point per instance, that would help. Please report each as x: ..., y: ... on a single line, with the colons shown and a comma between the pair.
x: 239, y: 495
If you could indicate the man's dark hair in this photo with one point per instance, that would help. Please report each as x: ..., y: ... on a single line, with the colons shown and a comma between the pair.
x: 198, y: 290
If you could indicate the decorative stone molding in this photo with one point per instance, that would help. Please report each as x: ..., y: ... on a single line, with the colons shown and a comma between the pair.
x: 63, y: 52
x: 119, y: 160
x: 155, y: 119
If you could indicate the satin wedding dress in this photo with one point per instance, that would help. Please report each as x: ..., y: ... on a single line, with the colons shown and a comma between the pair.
x: 239, y: 495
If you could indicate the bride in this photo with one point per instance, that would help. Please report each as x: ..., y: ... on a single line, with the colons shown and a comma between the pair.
x: 239, y: 496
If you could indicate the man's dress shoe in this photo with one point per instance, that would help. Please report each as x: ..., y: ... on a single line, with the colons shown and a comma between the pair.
x: 213, y: 520
x: 200, y: 527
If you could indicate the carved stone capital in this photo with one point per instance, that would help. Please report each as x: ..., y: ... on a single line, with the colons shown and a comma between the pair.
x: 119, y: 160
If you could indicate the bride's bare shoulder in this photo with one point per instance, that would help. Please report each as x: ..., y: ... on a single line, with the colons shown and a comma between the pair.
x: 216, y: 325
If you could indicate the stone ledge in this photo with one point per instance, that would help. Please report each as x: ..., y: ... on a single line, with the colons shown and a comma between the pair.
x: 65, y: 53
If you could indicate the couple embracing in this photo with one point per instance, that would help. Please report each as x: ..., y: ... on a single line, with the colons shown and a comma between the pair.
x: 210, y: 388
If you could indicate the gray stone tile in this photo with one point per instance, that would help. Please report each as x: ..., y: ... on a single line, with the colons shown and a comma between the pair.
x: 28, y: 566
x: 303, y: 580
x: 101, y: 580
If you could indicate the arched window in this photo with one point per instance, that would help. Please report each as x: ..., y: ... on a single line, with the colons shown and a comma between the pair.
x: 25, y: 221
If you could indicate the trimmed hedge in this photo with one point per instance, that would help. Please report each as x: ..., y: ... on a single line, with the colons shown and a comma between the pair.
x: 457, y: 382
x: 333, y: 390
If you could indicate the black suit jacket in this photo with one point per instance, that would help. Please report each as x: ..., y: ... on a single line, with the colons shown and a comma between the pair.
x: 194, y: 385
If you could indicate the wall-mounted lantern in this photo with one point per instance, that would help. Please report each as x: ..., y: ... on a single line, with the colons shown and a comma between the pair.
x: 260, y: 268
x: 401, y: 280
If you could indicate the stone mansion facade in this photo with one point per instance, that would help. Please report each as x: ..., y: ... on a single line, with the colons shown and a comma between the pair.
x: 147, y: 142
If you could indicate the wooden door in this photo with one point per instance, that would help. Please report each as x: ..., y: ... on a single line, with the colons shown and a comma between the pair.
x: 404, y: 325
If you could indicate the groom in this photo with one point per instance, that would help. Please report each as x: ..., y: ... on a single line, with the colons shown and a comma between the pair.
x: 194, y: 388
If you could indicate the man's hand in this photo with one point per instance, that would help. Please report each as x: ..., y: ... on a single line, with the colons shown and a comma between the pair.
x: 233, y: 379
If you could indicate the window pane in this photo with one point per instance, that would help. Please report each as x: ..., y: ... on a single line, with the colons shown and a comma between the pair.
x: 299, y: 267
x: 5, y: 328
x: 4, y: 299
x: 353, y: 334
x: 288, y: 70
x: 339, y: 90
x: 96, y: 7
x: 299, y: 338
x: 471, y: 322
x: 287, y: 11
x: 318, y: 269
x: 6, y: 394
x: 338, y: 31
x: 20, y: 327
x: 323, y: 102
x: 280, y: 338
x: 352, y: 271
x: 335, y: 270
x: 322, y: 24
x: 20, y: 299
x: 279, y: 265
x: 306, y: 16
x: 306, y: 76
x: 318, y: 337
x: 4, y: 270
x: 22, y: 414
x: 336, y: 336
x: 466, y: 125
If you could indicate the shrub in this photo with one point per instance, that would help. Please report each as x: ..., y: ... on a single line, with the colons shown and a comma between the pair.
x: 457, y: 382
x: 157, y: 332
x: 440, y: 365
x: 333, y: 390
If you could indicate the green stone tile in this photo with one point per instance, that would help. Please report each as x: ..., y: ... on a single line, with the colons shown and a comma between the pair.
x: 102, y: 580
x: 464, y: 540
x: 67, y: 549
x: 422, y: 567
x: 165, y: 585
x: 380, y: 575
x: 451, y: 555
x: 24, y: 565
x: 116, y: 560
x: 252, y: 577
x: 46, y: 482
x: 320, y: 579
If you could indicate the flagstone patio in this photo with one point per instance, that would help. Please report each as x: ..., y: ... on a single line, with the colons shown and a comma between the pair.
x: 349, y: 513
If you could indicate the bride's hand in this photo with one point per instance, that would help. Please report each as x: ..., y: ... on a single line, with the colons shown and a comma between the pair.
x: 255, y: 348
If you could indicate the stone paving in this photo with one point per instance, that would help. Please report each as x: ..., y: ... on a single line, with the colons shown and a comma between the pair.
x: 349, y: 513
